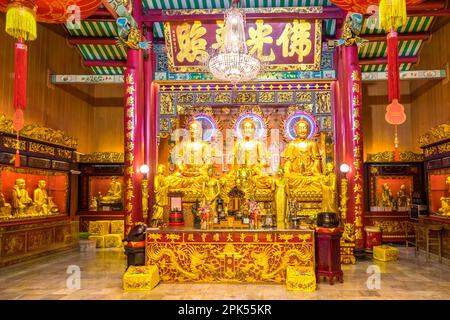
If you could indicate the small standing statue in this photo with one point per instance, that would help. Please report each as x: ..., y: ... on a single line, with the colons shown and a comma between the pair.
x: 445, y: 201
x: 329, y: 189
x: 386, y: 196
x: 44, y: 203
x: 161, y: 198
x: 281, y: 191
x: 21, y: 201
x: 5, y: 208
x: 211, y: 190
x: 402, y: 199
x: 93, y: 204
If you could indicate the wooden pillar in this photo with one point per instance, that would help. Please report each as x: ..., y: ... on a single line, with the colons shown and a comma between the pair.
x: 133, y: 130
x: 348, y: 132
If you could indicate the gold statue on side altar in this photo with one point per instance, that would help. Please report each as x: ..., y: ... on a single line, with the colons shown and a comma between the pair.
x: 192, y: 159
x: 303, y: 160
x: 250, y: 158
x: 211, y: 189
x: 444, y: 210
x: 5, y: 208
x: 21, y: 202
x: 44, y: 203
x: 114, y: 194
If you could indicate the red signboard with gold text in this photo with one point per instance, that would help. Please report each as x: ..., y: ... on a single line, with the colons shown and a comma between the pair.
x: 293, y: 45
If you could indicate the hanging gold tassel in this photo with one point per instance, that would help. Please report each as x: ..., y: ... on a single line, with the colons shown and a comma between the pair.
x: 21, y: 22
x: 392, y: 14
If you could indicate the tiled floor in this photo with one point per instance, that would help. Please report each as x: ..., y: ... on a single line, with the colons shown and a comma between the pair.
x: 101, y: 278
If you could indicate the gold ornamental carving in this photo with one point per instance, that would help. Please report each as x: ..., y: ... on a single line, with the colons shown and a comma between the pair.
x: 102, y: 157
x: 389, y: 156
x: 12, y: 143
x: 37, y: 132
x: 226, y: 258
x: 435, y: 135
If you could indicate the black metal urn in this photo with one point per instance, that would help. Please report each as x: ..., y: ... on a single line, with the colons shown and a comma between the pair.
x: 327, y: 219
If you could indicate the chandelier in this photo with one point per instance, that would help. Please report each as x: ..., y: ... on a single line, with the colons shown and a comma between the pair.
x: 231, y: 62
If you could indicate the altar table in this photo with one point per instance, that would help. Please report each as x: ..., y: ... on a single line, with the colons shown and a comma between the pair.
x: 192, y: 255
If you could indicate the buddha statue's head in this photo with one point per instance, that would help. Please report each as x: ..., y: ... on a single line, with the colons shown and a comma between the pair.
x: 210, y: 172
x: 42, y: 184
x: 248, y: 128
x: 161, y: 169
x: 195, y: 129
x: 20, y: 183
x: 302, y: 129
x: 447, y: 181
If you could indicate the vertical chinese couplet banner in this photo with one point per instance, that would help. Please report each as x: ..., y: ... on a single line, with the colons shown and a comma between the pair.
x: 284, y: 46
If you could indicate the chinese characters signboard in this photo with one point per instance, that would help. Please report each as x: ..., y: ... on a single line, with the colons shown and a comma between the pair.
x: 285, y: 46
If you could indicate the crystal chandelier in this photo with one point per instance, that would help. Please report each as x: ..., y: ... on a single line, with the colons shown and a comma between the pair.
x: 231, y: 62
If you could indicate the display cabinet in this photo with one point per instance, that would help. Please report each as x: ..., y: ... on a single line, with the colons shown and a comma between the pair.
x: 100, y: 188
x: 392, y: 187
x: 35, y: 195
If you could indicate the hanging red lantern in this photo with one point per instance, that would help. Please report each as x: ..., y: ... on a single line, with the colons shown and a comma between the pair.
x: 395, y: 115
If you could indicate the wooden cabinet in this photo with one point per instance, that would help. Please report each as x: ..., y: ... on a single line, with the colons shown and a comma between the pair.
x: 328, y: 258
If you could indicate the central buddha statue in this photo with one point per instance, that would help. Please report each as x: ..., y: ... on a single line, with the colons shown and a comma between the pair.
x: 249, y: 158
x: 192, y: 159
x: 302, y: 159
x: 114, y: 194
x: 21, y: 201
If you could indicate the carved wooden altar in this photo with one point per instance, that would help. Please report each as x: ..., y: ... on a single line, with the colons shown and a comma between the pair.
x: 229, y: 255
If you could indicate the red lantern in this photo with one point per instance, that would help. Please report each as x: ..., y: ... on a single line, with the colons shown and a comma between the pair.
x: 395, y: 115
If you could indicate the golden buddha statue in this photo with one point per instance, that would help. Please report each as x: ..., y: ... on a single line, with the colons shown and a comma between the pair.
x: 192, y: 159
x: 329, y: 186
x: 211, y: 189
x: 445, y: 201
x: 386, y: 196
x: 114, y: 194
x: 302, y: 160
x: 21, y: 201
x: 249, y: 158
x: 403, y: 200
x: 161, y: 198
x: 44, y: 203
x: 5, y: 208
x: 281, y: 191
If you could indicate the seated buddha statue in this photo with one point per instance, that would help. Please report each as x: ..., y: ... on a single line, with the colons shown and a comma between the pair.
x: 44, y: 203
x: 249, y: 158
x: 445, y: 201
x: 192, y: 159
x: 302, y: 160
x: 21, y: 201
x: 5, y: 208
x: 114, y: 194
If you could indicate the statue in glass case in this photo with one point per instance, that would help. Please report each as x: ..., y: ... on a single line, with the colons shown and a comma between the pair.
x: 114, y: 194
x: 21, y: 201
x: 403, y: 200
x: 44, y: 203
x: 5, y: 208
x: 386, y: 196
x: 445, y: 201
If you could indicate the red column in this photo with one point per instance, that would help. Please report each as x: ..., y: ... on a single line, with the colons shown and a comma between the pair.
x: 133, y: 131
x: 348, y: 132
x: 151, y: 119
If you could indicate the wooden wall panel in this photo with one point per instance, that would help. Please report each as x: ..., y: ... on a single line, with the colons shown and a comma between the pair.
x: 431, y: 99
x: 48, y: 105
x: 378, y: 134
x: 107, y: 129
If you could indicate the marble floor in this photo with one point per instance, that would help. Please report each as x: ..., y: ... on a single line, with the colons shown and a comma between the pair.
x: 101, y: 278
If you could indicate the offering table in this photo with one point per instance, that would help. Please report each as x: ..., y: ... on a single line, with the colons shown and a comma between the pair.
x: 192, y: 255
